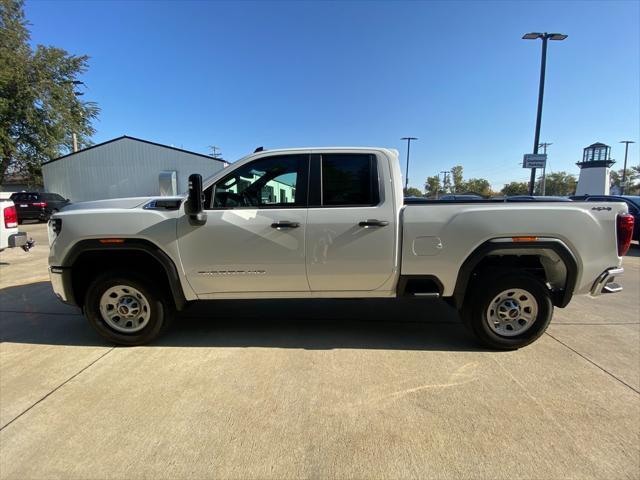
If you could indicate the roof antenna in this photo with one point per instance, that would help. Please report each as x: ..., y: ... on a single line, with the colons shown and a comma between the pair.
x: 259, y: 149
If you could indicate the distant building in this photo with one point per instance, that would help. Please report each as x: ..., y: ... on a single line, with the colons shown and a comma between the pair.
x: 17, y: 183
x: 125, y: 167
x: 594, y: 170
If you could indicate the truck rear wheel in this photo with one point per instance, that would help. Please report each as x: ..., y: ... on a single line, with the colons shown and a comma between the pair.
x: 509, y: 310
x: 127, y: 309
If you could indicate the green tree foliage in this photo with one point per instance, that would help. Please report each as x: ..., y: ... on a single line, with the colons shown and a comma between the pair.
x: 456, y: 184
x: 456, y: 179
x: 478, y: 185
x: 561, y: 183
x: 515, y: 188
x: 432, y: 186
x: 632, y: 176
x: 39, y: 109
x: 413, y: 192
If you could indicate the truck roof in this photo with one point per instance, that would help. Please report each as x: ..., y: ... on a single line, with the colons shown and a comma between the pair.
x: 264, y: 152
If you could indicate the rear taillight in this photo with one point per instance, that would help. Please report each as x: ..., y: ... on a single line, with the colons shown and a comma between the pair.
x: 10, y: 217
x: 39, y: 204
x: 625, y: 232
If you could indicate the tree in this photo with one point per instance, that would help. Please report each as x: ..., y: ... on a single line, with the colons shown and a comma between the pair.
x: 515, y: 188
x: 478, y: 185
x: 432, y: 186
x: 632, y: 175
x: 456, y: 179
x: 39, y: 107
x: 412, y: 192
x: 561, y: 183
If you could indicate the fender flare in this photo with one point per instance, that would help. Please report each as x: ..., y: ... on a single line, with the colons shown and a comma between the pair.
x: 561, y: 297
x: 131, y: 244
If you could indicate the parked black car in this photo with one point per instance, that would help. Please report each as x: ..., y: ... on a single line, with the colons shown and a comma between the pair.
x: 632, y: 201
x: 538, y: 198
x: 464, y: 196
x: 37, y: 205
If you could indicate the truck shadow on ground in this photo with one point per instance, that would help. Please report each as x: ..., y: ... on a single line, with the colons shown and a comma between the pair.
x: 31, y: 314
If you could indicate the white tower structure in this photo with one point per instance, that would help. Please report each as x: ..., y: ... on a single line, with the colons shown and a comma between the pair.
x: 594, y: 170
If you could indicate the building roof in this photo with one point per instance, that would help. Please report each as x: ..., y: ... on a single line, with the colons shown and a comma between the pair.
x: 137, y: 140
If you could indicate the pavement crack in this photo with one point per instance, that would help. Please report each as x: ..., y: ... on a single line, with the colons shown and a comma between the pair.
x: 57, y: 388
x: 594, y: 363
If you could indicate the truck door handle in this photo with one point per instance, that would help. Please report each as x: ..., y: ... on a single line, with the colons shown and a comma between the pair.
x: 284, y: 224
x: 373, y: 223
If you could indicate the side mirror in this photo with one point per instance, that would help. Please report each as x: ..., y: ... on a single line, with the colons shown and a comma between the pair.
x: 195, y: 202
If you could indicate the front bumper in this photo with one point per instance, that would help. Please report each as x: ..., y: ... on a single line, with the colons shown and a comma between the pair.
x: 17, y: 239
x: 61, y: 283
x: 605, y: 282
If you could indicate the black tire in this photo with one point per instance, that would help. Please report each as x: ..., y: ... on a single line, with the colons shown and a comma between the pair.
x: 486, y: 289
x: 159, y: 303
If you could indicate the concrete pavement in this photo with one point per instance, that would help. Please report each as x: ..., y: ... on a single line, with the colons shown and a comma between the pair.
x: 319, y: 389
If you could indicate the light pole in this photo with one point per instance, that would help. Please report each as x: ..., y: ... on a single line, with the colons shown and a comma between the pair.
x: 624, y: 169
x: 543, y: 65
x: 444, y: 179
x: 406, y: 174
x: 543, y: 190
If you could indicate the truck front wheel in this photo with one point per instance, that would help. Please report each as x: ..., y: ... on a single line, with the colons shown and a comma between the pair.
x: 127, y: 309
x: 508, y: 311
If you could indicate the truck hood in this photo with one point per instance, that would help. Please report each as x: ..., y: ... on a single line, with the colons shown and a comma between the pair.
x: 131, y: 202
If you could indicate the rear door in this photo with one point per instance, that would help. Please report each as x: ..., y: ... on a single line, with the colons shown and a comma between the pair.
x: 351, y: 222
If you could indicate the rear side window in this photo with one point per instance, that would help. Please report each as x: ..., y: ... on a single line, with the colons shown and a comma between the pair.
x: 349, y: 180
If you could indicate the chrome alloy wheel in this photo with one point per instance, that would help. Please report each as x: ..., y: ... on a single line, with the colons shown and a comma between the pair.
x: 125, y: 309
x: 512, y: 312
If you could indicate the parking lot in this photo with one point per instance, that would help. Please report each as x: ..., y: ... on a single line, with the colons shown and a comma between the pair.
x: 315, y: 389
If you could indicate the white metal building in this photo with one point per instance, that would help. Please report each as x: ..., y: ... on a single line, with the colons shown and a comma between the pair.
x: 125, y: 167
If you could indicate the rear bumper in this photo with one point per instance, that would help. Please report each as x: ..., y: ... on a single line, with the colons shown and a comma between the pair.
x: 61, y: 283
x: 605, y: 282
x: 17, y: 239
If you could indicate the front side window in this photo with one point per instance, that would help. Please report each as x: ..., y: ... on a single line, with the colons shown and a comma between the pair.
x: 272, y: 182
x: 349, y: 180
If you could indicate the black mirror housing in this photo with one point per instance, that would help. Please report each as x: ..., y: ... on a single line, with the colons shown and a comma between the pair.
x: 195, y: 201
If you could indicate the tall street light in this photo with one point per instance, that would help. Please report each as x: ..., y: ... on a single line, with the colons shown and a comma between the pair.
x: 543, y: 65
x: 406, y: 174
x: 624, y: 169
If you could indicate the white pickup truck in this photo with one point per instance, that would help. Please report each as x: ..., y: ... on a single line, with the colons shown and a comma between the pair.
x: 10, y: 237
x: 329, y: 223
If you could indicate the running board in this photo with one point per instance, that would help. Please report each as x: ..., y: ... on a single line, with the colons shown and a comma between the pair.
x: 612, y: 287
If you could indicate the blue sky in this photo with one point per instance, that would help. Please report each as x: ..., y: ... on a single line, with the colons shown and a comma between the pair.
x: 283, y: 74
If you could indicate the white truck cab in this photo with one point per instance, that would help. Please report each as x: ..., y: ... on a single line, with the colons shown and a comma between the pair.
x: 328, y: 223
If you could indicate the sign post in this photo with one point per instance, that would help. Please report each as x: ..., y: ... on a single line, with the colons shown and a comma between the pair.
x: 534, y: 160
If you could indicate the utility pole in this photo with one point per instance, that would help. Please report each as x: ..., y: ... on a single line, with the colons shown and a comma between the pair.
x: 406, y: 174
x: 543, y: 190
x: 77, y: 93
x: 543, y: 66
x: 215, y: 152
x: 624, y: 169
x: 444, y: 177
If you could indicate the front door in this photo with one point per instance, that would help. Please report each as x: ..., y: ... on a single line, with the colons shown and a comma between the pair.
x: 254, y: 236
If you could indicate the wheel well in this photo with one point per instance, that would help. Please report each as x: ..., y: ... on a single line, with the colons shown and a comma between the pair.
x: 89, y: 264
x: 551, y: 263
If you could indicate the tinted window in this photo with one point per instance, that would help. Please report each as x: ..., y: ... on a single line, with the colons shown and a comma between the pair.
x: 26, y: 197
x: 266, y: 183
x: 349, y: 179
